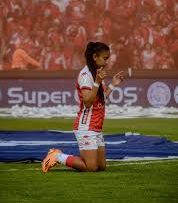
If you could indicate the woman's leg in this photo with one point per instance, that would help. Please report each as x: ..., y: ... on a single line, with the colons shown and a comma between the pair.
x: 101, y: 159
x: 94, y: 159
x: 90, y: 158
x: 87, y: 162
x: 57, y: 156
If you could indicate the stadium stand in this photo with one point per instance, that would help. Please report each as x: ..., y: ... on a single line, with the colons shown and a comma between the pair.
x: 142, y: 34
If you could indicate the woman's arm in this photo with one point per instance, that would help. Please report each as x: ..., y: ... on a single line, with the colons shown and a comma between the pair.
x: 90, y: 95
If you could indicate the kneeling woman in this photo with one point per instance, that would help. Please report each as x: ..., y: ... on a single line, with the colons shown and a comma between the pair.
x: 88, y: 124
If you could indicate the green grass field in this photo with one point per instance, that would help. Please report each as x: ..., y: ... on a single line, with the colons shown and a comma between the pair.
x: 122, y: 182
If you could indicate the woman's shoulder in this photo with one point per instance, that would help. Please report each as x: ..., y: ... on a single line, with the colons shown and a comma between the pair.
x: 84, y: 71
x: 85, y: 74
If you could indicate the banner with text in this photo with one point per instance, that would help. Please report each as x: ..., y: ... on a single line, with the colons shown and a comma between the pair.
x: 46, y: 92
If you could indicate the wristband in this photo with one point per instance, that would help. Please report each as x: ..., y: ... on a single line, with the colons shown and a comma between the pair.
x: 96, y: 84
x: 111, y: 87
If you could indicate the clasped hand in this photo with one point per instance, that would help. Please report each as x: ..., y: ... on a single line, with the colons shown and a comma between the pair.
x: 116, y: 80
x: 100, y: 75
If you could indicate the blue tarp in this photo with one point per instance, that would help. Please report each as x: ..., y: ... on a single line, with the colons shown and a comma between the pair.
x: 33, y: 145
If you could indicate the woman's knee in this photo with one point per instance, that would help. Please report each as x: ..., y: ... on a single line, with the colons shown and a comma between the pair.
x: 102, y: 168
x: 92, y: 168
x: 102, y: 165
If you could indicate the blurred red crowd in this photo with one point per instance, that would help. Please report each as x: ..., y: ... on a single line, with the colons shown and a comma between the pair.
x: 142, y: 34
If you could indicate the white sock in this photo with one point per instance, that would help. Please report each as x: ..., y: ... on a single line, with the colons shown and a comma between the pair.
x: 61, y: 157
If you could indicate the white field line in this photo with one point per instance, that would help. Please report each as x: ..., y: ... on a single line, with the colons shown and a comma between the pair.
x: 141, y: 163
x: 108, y: 165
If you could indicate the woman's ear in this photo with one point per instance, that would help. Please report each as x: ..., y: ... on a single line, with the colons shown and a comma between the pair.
x: 94, y: 56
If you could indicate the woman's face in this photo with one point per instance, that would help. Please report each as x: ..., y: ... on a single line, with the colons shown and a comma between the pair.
x: 101, y: 58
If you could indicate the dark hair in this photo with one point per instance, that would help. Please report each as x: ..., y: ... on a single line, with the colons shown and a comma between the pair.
x: 95, y: 48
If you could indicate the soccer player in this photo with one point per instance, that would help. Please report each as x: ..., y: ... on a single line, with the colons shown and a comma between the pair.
x: 88, y: 124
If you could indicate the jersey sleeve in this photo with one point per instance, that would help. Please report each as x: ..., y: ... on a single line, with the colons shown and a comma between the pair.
x: 85, y: 81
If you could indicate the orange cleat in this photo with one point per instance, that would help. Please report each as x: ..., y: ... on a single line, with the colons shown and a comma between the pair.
x: 50, y: 160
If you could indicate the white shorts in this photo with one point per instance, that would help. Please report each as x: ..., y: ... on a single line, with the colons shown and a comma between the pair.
x: 88, y: 140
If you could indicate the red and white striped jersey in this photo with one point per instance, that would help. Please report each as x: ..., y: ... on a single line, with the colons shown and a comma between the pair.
x: 88, y: 118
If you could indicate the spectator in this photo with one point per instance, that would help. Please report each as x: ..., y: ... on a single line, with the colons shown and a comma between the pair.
x: 159, y: 37
x: 136, y: 61
x: 165, y: 60
x: 113, y: 57
x: 138, y: 39
x: 173, y: 45
x: 148, y: 57
x: 123, y: 53
x: 21, y: 59
x: 57, y: 60
x: 99, y: 35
